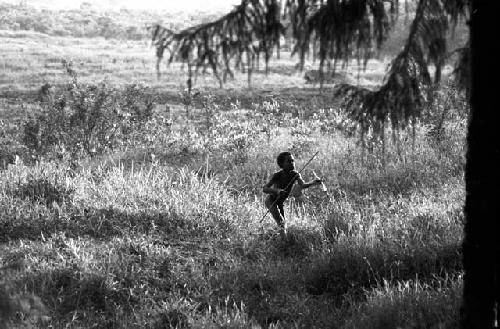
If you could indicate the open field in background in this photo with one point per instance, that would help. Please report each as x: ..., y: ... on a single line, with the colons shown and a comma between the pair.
x: 165, y: 231
x: 29, y: 59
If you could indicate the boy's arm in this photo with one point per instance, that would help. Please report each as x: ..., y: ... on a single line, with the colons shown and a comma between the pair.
x: 303, y: 184
x: 269, y: 189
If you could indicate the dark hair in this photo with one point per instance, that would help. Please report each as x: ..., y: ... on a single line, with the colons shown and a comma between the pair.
x: 281, y: 158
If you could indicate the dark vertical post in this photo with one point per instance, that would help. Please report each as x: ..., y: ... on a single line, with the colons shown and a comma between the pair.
x: 481, y: 240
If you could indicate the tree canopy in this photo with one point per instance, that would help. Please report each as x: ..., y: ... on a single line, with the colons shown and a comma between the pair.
x: 250, y: 28
x: 334, y: 30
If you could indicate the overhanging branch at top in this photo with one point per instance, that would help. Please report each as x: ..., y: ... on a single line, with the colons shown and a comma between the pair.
x: 339, y: 29
x: 408, y: 82
x: 251, y: 28
x: 334, y: 30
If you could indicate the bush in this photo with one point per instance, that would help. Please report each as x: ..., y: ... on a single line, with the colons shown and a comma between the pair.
x: 86, y: 119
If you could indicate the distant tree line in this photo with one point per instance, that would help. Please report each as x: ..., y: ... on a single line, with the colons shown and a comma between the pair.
x: 90, y: 22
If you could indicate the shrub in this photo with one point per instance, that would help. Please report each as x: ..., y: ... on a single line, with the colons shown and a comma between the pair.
x: 86, y: 119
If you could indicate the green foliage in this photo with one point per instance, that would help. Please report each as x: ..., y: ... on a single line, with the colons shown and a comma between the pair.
x: 86, y: 119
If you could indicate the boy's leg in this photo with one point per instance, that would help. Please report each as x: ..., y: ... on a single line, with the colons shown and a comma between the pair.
x: 282, y: 213
x: 276, y: 211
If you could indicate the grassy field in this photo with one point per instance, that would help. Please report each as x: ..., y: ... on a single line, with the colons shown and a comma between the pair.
x: 165, y: 231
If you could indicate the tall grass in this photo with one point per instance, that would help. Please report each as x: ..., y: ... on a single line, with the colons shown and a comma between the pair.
x: 409, y: 304
x: 167, y: 231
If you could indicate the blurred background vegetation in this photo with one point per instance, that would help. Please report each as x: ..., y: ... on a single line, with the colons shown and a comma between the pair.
x: 89, y: 21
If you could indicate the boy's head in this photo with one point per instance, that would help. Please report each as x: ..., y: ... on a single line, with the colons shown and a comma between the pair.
x: 286, y: 161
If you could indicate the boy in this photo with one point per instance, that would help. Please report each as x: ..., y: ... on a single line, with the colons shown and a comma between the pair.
x: 280, y: 185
